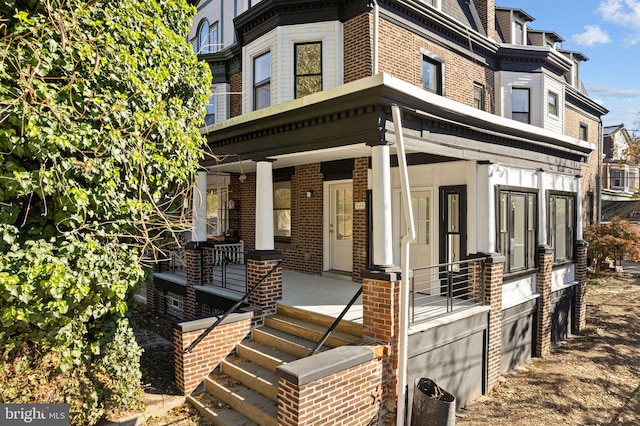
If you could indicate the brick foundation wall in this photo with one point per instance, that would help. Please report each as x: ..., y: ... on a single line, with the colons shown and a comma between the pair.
x: 192, y: 368
x: 350, y: 396
x: 543, y: 287
x: 581, y: 287
x: 493, y: 278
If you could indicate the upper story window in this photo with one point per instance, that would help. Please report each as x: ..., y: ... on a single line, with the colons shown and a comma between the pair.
x: 203, y: 39
x: 518, y: 33
x: 210, y: 117
x: 617, y: 179
x: 521, y: 105
x: 308, y: 68
x: 552, y: 103
x: 215, y: 42
x: 478, y: 96
x: 432, y: 72
x: 433, y: 3
x: 517, y: 226
x: 262, y: 81
x: 583, y: 132
x: 562, y: 225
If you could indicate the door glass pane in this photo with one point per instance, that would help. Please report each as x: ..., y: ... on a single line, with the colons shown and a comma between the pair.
x: 453, y: 221
x: 421, y: 213
x: 561, y: 228
x: 518, y: 231
x: 344, y: 214
x: 503, y: 223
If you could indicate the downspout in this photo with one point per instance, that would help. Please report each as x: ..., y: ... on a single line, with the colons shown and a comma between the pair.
x: 403, y: 346
x: 600, y: 149
x: 376, y: 22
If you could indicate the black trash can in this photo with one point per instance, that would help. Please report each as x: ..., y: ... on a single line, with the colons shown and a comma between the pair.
x: 432, y: 406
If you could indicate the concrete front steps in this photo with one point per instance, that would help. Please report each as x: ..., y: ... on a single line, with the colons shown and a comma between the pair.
x: 245, y: 391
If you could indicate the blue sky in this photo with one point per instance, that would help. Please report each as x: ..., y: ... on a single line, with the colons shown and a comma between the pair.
x: 608, y: 33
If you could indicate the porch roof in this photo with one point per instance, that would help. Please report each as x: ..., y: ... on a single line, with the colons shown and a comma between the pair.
x: 342, y: 122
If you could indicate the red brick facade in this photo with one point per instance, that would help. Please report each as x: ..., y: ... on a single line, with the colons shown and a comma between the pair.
x: 493, y: 269
x: 269, y: 292
x: 358, y: 47
x: 192, y: 368
x: 348, y: 397
x: 581, y: 288
x: 543, y: 287
x: 360, y: 232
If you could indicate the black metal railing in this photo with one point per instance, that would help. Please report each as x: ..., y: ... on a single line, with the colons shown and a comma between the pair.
x: 232, y: 309
x: 224, y: 266
x: 173, y: 261
x: 336, y: 322
x: 445, y: 288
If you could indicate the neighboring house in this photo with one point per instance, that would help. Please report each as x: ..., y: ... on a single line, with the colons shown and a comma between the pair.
x: 620, y: 176
x: 502, y: 143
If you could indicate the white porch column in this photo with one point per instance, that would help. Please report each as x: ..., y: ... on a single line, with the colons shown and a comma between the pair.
x: 199, y: 216
x: 264, y: 206
x: 542, y: 210
x: 381, y: 196
x: 578, y: 185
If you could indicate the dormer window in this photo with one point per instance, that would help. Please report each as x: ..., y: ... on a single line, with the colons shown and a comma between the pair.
x: 432, y: 3
x: 518, y: 33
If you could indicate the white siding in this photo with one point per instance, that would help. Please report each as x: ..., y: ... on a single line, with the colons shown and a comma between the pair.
x: 533, y: 82
x: 281, y: 43
x: 553, y: 122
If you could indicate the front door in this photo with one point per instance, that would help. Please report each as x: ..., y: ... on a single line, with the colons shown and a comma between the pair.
x: 341, y: 227
x: 453, y: 235
x: 420, y: 251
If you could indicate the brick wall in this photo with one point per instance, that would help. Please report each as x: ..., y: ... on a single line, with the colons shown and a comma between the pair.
x: 493, y: 278
x: 235, y: 99
x: 543, y: 287
x: 400, y: 55
x: 360, y: 182
x: 192, y: 368
x: 269, y: 292
x: 358, y: 47
x: 487, y: 13
x: 589, y: 169
x: 581, y: 288
x: 350, y: 396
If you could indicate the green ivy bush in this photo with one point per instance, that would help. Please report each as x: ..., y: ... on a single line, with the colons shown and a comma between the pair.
x: 100, y: 107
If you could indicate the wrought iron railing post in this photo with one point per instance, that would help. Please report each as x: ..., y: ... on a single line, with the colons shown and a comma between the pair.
x: 221, y: 318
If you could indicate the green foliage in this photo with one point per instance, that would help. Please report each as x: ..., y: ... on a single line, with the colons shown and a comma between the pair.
x: 100, y: 104
x: 617, y: 240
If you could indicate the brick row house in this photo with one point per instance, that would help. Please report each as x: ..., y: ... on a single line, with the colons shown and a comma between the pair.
x: 323, y: 114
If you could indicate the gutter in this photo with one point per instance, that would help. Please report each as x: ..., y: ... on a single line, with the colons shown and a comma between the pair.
x: 403, y: 346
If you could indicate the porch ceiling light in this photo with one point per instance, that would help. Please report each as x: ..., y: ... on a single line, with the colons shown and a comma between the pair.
x: 242, y: 178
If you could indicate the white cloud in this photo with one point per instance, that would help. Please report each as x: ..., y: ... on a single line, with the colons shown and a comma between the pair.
x: 625, y: 13
x: 613, y: 92
x: 592, y: 34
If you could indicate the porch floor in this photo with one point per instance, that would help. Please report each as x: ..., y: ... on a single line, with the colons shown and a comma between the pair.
x: 329, y: 295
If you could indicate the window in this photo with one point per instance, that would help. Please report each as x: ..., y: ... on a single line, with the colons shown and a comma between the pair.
x: 431, y: 74
x: 517, y: 229
x: 520, y: 105
x: 552, y: 102
x: 202, y: 46
x: 478, y: 96
x: 282, y: 209
x: 217, y: 199
x: 262, y: 81
x: 562, y: 225
x: 518, y: 34
x: 308, y: 68
x: 215, y: 43
x: 617, y: 179
x: 583, y: 132
x: 210, y: 117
